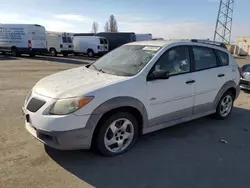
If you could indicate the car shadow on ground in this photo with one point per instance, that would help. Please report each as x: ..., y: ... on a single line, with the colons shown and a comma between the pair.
x: 202, y: 153
x: 60, y: 59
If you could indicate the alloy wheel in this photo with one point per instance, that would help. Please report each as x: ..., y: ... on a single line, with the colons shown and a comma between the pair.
x: 226, y: 105
x: 119, y: 135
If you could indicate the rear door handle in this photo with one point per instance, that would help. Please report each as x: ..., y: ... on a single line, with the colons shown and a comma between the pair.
x: 221, y: 75
x: 190, y: 82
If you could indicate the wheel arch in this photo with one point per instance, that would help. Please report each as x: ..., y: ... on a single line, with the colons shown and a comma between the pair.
x: 228, y: 86
x: 114, y: 105
x: 14, y: 47
x: 52, y: 48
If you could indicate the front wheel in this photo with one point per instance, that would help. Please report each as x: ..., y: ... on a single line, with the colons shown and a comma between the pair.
x: 225, y: 106
x: 15, y: 52
x: 117, y: 134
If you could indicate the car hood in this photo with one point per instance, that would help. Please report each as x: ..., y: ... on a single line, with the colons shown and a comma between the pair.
x: 74, y: 82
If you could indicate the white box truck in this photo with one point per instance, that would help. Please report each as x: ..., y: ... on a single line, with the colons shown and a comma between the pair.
x: 22, y: 39
x: 90, y: 45
x: 59, y: 43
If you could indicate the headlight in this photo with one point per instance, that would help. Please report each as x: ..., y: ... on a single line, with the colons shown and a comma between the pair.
x: 67, y: 106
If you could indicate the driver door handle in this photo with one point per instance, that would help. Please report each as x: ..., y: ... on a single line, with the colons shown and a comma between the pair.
x: 221, y: 75
x: 190, y: 81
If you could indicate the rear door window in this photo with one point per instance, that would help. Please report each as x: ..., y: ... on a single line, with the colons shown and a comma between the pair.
x: 64, y: 39
x: 69, y: 40
x: 223, y: 57
x: 204, y: 58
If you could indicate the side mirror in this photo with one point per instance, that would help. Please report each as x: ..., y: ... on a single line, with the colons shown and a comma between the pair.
x: 159, y: 74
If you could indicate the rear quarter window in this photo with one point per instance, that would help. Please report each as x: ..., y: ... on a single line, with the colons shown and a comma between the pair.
x: 223, y: 57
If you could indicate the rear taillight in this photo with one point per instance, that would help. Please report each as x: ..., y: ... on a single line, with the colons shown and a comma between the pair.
x: 29, y: 44
x: 240, y: 71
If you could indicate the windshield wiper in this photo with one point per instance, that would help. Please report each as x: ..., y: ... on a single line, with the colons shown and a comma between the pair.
x: 99, y: 70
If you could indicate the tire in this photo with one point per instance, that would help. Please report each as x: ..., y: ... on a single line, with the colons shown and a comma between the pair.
x: 32, y: 55
x: 15, y: 52
x: 53, y: 52
x: 114, y: 131
x: 75, y: 54
x: 3, y: 53
x: 225, y: 106
x: 90, y: 53
x: 65, y: 54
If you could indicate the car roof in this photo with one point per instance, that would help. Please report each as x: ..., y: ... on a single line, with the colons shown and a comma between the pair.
x: 159, y: 43
x: 162, y: 43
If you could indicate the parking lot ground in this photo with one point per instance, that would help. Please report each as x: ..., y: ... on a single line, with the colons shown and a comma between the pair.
x: 203, y: 153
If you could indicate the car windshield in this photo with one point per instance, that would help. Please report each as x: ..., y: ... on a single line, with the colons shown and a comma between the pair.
x: 127, y: 60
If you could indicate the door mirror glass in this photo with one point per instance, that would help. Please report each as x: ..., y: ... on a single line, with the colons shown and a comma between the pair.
x: 159, y: 74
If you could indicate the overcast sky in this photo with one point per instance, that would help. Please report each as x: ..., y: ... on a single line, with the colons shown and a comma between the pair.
x: 162, y: 18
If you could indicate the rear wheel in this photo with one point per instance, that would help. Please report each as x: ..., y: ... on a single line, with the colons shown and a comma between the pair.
x: 15, y: 52
x: 65, y: 54
x: 117, y: 134
x: 90, y: 53
x: 75, y: 54
x: 53, y: 52
x: 3, y: 53
x: 225, y: 106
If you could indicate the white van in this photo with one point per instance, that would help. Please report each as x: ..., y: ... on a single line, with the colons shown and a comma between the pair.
x: 143, y: 37
x: 22, y: 39
x: 90, y: 45
x: 59, y: 43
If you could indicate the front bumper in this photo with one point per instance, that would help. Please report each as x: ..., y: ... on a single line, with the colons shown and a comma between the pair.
x: 61, y: 140
x: 68, y: 132
x: 244, y: 84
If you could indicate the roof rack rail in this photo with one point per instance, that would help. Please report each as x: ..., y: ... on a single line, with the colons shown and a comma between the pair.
x: 220, y: 44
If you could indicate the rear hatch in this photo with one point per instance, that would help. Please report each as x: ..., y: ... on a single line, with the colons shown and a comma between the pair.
x: 103, y: 44
x: 66, y: 43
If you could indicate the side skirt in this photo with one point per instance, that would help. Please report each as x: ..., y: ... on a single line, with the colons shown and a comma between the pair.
x: 175, y: 122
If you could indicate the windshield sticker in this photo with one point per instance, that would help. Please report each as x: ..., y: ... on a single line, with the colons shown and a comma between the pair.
x: 151, y: 48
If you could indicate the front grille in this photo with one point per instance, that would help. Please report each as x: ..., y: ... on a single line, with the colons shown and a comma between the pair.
x: 35, y: 104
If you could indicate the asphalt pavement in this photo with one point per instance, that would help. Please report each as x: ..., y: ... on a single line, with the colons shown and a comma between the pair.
x: 205, y: 153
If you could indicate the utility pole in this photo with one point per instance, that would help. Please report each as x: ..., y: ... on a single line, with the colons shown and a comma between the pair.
x: 224, y: 21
